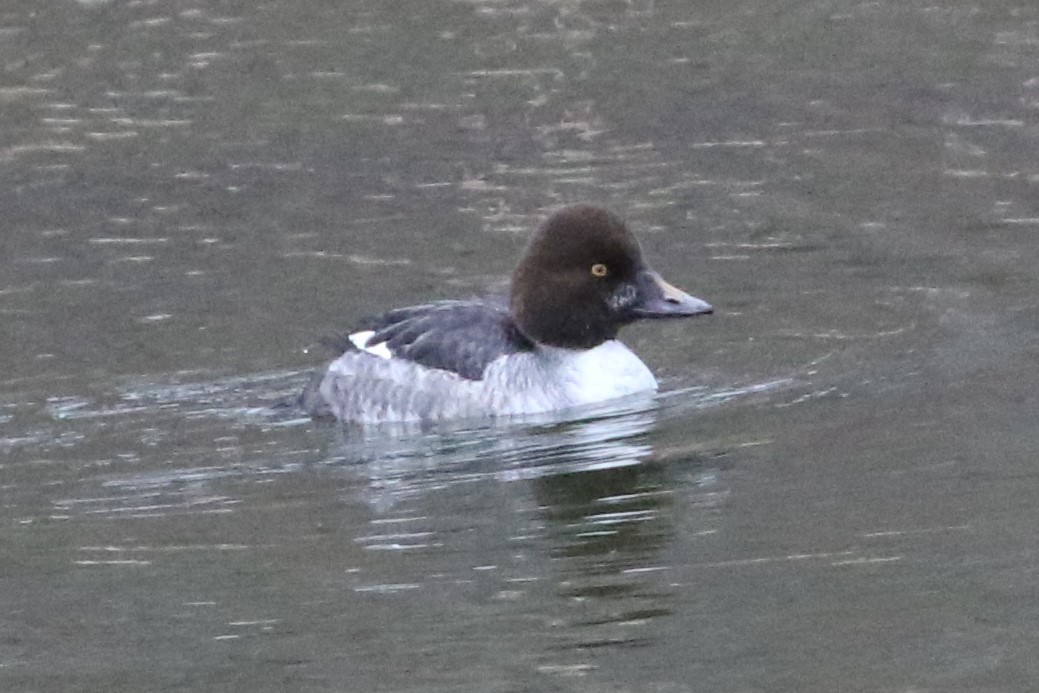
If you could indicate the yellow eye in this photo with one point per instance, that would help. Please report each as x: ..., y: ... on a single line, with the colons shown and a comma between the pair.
x: 599, y: 270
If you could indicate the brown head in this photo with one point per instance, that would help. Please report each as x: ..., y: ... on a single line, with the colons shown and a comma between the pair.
x: 582, y: 277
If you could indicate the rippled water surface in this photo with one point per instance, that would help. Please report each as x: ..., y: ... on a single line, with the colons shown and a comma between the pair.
x: 837, y: 488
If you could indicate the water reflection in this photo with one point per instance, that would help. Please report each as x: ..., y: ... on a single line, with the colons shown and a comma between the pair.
x: 608, y: 527
x: 589, y: 498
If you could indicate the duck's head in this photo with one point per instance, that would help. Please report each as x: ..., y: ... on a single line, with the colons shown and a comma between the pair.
x: 583, y: 277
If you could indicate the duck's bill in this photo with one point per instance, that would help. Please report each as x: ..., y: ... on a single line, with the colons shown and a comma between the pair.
x: 658, y: 299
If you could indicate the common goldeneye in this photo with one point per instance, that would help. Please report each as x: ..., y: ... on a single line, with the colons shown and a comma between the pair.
x: 549, y: 345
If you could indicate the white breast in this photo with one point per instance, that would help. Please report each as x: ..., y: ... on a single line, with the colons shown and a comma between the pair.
x: 551, y: 378
x: 606, y: 372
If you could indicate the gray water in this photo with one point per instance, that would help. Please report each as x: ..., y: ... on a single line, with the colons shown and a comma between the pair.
x: 837, y: 489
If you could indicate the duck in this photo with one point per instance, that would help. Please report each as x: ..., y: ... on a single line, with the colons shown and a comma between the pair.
x: 548, y: 345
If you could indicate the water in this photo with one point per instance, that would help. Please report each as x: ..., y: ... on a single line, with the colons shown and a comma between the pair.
x: 837, y: 489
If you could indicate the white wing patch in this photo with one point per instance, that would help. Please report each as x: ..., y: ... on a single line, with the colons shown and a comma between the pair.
x: 360, y: 340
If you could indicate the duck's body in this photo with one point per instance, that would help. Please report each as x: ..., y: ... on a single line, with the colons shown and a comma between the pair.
x: 550, y: 347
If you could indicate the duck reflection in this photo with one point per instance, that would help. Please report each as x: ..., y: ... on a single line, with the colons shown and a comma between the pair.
x: 400, y: 461
x: 608, y: 527
x: 587, y: 503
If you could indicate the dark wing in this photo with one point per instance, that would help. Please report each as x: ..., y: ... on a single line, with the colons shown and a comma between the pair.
x: 457, y: 336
